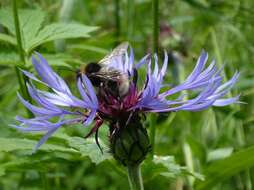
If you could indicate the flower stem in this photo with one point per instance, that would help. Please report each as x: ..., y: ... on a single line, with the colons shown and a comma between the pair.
x: 20, y: 76
x: 18, y: 33
x: 135, y: 177
x: 117, y: 21
x: 130, y: 18
x: 152, y: 123
x: 155, y: 5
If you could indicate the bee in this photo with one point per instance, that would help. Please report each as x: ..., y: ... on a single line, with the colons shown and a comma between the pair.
x: 104, y: 76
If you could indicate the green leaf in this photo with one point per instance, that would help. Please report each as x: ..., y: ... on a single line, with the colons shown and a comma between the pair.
x: 79, y: 147
x: 33, y: 34
x: 168, y: 162
x: 37, y: 162
x: 88, y: 48
x: 30, y: 24
x: 8, y: 39
x: 9, y: 59
x: 7, y: 20
x: 18, y: 164
x: 14, y: 144
x: 223, y: 169
x: 88, y: 147
x: 60, y: 31
x: 167, y: 167
x: 60, y: 59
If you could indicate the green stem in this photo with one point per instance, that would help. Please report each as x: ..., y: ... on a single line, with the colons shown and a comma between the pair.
x: 18, y: 33
x: 152, y: 124
x: 117, y: 21
x: 130, y: 18
x: 155, y: 5
x: 21, y: 78
x: 135, y: 177
x: 20, y: 81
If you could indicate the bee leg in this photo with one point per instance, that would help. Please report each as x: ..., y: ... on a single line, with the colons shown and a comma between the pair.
x: 95, y: 130
x: 97, y: 125
x: 113, y: 88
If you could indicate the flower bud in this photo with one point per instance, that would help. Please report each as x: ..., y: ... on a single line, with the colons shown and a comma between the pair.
x: 130, y: 144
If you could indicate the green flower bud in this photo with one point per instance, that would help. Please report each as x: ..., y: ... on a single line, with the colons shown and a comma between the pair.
x: 130, y: 144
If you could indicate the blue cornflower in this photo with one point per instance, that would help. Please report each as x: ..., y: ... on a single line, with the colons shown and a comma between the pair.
x: 102, y: 106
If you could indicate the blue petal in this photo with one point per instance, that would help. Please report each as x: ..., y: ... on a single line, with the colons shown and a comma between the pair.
x: 90, y: 90
x: 164, y: 66
x: 143, y: 61
x: 41, y: 100
x: 199, y: 67
x: 34, y: 109
x: 31, y: 76
x: 44, y: 71
x: 48, y: 76
x: 208, y: 81
x: 90, y: 118
x: 226, y: 101
x: 45, y: 138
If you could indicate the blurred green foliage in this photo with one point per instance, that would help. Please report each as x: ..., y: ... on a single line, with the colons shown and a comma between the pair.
x: 212, y: 149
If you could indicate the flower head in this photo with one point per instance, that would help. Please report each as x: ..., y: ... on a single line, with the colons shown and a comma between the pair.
x: 119, y: 112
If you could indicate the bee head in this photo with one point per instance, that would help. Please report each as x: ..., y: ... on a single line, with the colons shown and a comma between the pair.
x: 92, y: 68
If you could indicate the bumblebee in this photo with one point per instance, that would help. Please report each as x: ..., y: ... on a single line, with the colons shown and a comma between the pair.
x: 106, y: 77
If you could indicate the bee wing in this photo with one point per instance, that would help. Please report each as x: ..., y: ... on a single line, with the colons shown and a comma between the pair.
x: 110, y: 74
x: 118, y: 52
